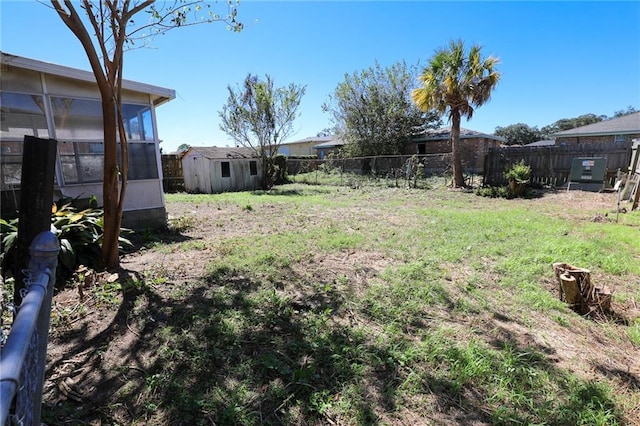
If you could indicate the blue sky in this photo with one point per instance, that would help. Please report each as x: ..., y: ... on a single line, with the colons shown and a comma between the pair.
x: 557, y: 59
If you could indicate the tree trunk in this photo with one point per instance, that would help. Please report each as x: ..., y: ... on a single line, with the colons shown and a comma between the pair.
x: 267, y: 171
x: 458, y: 178
x: 112, y: 219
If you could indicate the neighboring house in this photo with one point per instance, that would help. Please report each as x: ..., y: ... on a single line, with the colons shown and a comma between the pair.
x: 474, y: 145
x: 53, y: 101
x: 620, y: 130
x: 303, y: 147
x: 211, y: 170
x: 330, y: 146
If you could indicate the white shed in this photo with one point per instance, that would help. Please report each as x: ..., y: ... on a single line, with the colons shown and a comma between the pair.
x: 53, y: 101
x: 212, y: 170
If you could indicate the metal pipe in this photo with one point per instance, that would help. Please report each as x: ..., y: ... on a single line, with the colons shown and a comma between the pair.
x: 23, y: 357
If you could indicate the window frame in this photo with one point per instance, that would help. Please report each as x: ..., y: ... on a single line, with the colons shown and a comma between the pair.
x: 81, y: 178
x: 617, y: 137
x: 225, y: 169
x: 10, y: 160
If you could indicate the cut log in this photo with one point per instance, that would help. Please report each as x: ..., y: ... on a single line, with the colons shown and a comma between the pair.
x: 601, y: 300
x: 570, y: 292
x: 575, y: 288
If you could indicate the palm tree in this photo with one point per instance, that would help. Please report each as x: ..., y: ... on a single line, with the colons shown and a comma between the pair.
x: 454, y: 83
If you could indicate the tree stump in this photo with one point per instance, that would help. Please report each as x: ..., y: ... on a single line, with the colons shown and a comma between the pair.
x: 575, y: 288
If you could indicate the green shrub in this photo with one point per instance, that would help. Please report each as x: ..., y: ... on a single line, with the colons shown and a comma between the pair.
x: 519, y: 172
x: 280, y: 169
x: 518, y: 176
x: 494, y: 192
x: 80, y: 235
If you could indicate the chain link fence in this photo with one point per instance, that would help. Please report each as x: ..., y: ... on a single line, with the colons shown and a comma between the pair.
x: 23, y: 354
x: 393, y: 170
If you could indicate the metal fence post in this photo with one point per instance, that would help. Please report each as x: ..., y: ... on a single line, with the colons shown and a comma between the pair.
x: 44, y: 258
x: 24, y: 356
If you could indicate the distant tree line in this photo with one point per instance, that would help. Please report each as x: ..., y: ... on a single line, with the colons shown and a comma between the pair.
x: 522, y: 134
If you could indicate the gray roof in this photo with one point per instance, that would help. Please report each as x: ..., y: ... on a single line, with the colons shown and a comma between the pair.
x: 445, y: 133
x: 320, y: 139
x: 218, y: 153
x: 627, y: 124
x: 547, y: 142
x: 158, y: 94
x: 331, y: 143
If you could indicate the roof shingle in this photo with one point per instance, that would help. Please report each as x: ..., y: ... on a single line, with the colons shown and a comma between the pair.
x: 621, y: 125
x: 214, y: 152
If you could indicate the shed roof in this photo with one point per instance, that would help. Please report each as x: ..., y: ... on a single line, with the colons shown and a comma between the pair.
x: 445, y: 133
x: 219, y: 153
x: 627, y: 124
x: 159, y: 95
x: 319, y: 139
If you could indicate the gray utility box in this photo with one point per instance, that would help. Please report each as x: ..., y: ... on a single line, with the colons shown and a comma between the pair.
x: 588, y: 170
x: 587, y: 173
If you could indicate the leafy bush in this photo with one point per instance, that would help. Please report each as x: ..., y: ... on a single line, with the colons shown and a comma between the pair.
x: 518, y: 176
x: 280, y: 169
x: 519, y: 172
x: 80, y: 235
x: 494, y: 192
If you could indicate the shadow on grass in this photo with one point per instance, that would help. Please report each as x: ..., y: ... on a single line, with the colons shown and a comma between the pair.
x: 229, y: 349
x: 154, y: 236
x: 307, y: 190
x: 225, y: 350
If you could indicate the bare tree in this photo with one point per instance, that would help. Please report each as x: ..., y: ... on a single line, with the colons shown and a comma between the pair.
x: 106, y: 29
x: 260, y: 116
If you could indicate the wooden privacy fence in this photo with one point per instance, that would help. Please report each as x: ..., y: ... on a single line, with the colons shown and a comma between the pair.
x: 632, y: 186
x: 551, y: 165
x: 172, y: 175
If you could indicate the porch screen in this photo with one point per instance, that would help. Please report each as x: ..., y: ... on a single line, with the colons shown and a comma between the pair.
x: 79, y: 131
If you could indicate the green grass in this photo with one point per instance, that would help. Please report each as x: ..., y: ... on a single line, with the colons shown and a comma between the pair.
x: 272, y: 333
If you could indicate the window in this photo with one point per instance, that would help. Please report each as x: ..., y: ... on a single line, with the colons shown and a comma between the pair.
x: 20, y: 115
x: 142, y: 161
x: 137, y: 122
x: 253, y: 168
x: 79, y: 131
x: 81, y: 161
x: 11, y: 163
x: 80, y: 136
x: 620, y: 138
x: 226, y: 169
x: 77, y: 119
x: 422, y: 148
x: 82, y: 119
